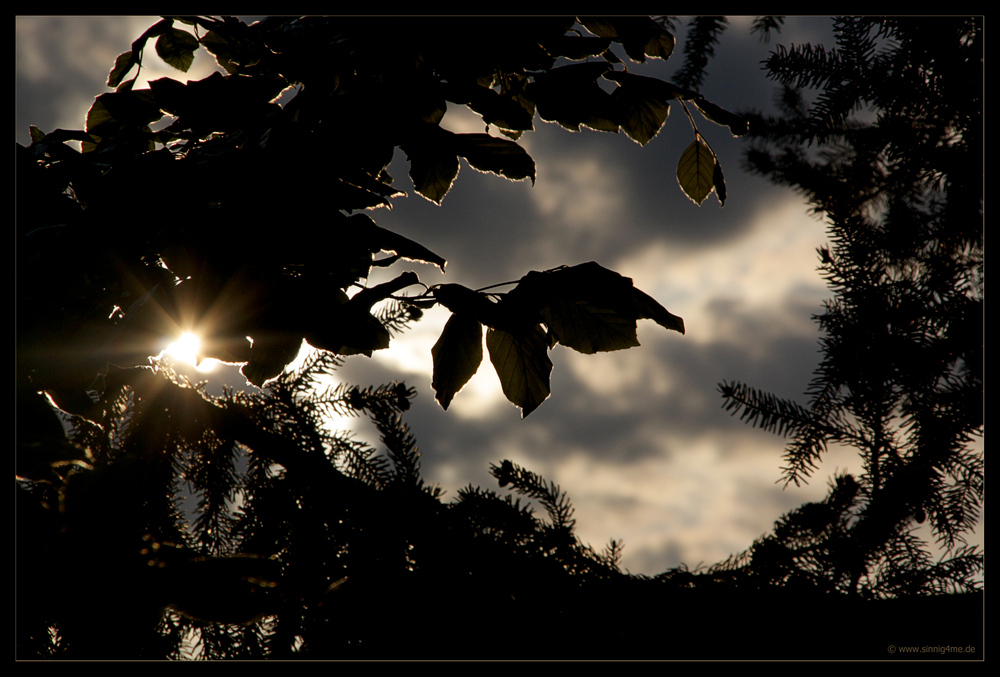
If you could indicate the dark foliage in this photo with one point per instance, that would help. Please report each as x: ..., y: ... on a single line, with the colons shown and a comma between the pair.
x: 890, y: 154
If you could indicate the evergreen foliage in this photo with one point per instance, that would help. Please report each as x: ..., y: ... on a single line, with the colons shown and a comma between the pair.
x: 890, y: 155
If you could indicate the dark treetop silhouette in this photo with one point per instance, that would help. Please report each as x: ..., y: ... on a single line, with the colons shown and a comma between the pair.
x: 305, y: 542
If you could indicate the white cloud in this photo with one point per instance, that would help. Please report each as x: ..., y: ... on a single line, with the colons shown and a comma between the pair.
x: 708, y: 503
x: 772, y: 265
x: 578, y: 192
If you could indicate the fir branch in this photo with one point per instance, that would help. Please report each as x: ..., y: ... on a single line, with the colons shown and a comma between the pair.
x: 527, y: 483
x: 779, y: 416
x: 401, y: 446
x: 764, y: 25
x: 397, y: 314
x: 363, y: 462
x: 702, y: 35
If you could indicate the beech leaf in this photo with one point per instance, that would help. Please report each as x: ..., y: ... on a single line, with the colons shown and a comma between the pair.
x: 588, y: 328
x: 646, y: 307
x: 587, y: 307
x: 738, y: 125
x: 719, y: 181
x: 433, y: 165
x: 460, y: 299
x: 456, y: 356
x: 177, y: 48
x: 696, y: 171
x: 522, y: 362
x: 388, y: 241
x: 123, y: 64
x: 642, y: 112
x: 499, y: 156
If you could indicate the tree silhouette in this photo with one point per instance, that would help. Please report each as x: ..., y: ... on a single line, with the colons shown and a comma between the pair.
x: 900, y: 379
x: 155, y: 520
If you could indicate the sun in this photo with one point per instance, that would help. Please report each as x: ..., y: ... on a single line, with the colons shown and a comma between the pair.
x: 186, y: 350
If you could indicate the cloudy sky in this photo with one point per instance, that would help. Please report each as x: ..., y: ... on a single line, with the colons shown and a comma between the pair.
x: 637, y: 438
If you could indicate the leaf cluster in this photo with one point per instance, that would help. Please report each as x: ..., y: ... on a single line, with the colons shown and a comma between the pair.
x: 586, y: 307
x: 326, y: 101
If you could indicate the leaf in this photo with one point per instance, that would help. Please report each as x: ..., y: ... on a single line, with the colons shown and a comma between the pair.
x: 696, y: 171
x: 171, y: 95
x: 738, y: 125
x: 269, y: 356
x: 123, y: 64
x: 348, y: 331
x: 570, y: 96
x: 114, y: 112
x: 456, y: 355
x: 719, y: 181
x: 380, y: 239
x: 159, y: 28
x: 433, y: 169
x: 640, y: 36
x: 369, y: 296
x: 177, y: 48
x: 462, y: 300
x: 217, y: 102
x: 576, y: 48
x: 344, y: 326
x: 499, y: 156
x: 589, y: 328
x: 642, y: 107
x: 588, y: 308
x: 646, y: 307
x: 507, y: 110
x: 522, y: 362
x: 658, y: 89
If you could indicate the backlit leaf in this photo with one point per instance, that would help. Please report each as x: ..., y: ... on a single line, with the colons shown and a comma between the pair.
x: 177, y: 48
x: 219, y: 47
x: 432, y: 169
x: 576, y: 48
x: 499, y: 156
x: 640, y: 36
x: 589, y: 328
x: 737, y: 124
x: 587, y: 307
x: 123, y: 64
x: 507, y: 110
x: 269, y: 356
x: 522, y: 362
x: 696, y: 171
x: 388, y: 241
x: 570, y: 96
x: 646, y: 307
x: 719, y: 181
x: 642, y: 107
x: 456, y: 355
x: 460, y: 299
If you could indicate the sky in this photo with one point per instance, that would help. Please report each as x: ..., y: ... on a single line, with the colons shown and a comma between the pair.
x: 637, y: 438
